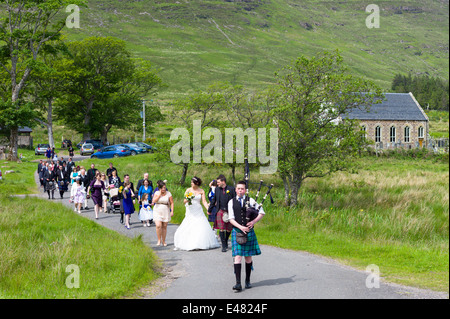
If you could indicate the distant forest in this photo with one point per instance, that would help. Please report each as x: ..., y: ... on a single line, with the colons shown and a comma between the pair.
x: 431, y: 93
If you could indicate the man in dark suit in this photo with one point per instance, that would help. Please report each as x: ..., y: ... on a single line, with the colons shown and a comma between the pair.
x: 223, y: 195
x: 91, y: 173
x: 62, y: 179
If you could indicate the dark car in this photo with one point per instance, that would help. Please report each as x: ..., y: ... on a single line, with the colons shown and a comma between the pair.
x: 66, y: 143
x: 96, y: 143
x: 111, y: 151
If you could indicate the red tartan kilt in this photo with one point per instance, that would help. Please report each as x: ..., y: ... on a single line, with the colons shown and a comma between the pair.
x: 219, y: 224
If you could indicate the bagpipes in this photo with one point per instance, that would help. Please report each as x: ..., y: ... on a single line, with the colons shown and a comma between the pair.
x: 252, y: 212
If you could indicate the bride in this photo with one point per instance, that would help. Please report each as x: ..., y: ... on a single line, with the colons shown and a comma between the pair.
x: 195, y: 231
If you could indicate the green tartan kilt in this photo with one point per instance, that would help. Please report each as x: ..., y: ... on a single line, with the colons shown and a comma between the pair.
x: 250, y: 248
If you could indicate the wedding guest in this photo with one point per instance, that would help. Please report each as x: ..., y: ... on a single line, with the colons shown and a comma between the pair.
x: 85, y: 182
x: 110, y: 170
x: 114, y: 179
x: 126, y: 179
x: 162, y: 211
x: 74, y: 174
x: 145, y: 213
x: 145, y: 189
x: 222, y: 196
x: 78, y: 194
x: 105, y: 193
x: 128, y: 202
x: 62, y: 180
x: 211, y: 194
x: 50, y: 181
x: 97, y: 186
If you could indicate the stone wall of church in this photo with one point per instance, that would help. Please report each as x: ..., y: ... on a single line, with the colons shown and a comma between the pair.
x: 385, y: 136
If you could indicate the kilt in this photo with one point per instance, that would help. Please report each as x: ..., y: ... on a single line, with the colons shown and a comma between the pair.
x: 62, y: 186
x: 219, y: 224
x: 250, y: 248
x: 50, y: 185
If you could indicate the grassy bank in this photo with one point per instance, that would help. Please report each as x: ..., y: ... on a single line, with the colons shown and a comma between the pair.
x: 40, y: 239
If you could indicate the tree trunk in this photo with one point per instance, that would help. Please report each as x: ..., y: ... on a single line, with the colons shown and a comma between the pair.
x: 87, y: 120
x: 13, y: 144
x: 183, y: 175
x: 287, y: 200
x: 233, y: 174
x: 104, y: 134
x: 49, y: 123
x: 296, y: 183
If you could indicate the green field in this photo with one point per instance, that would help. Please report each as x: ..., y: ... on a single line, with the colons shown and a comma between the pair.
x: 196, y: 43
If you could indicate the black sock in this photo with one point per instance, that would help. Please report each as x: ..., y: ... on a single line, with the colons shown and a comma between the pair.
x: 248, y: 271
x: 237, y: 272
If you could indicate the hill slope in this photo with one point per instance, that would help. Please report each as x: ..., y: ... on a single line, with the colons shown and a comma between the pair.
x: 196, y: 43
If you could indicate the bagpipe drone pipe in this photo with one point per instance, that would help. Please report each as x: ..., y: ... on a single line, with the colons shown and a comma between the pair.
x: 253, y: 211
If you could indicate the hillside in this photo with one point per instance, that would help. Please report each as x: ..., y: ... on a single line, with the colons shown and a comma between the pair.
x: 196, y: 43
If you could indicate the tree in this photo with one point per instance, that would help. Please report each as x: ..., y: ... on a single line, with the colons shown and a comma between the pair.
x: 105, y: 86
x: 203, y: 107
x: 24, y: 29
x: 48, y: 80
x: 315, y: 139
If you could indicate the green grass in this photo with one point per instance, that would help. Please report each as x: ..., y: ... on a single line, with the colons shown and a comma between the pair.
x: 40, y: 239
x: 392, y: 212
x: 388, y: 211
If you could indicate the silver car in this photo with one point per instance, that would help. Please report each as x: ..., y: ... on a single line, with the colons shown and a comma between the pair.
x: 87, y: 149
x: 41, y: 149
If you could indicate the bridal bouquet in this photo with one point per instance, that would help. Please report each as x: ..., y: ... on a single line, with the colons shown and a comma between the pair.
x: 189, y: 197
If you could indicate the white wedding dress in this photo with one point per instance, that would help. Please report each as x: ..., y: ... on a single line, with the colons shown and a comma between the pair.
x: 195, y: 231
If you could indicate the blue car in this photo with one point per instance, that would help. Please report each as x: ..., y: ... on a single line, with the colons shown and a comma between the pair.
x: 112, y: 151
x: 149, y: 148
x: 134, y: 149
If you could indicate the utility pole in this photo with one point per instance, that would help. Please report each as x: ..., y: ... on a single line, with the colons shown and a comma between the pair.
x: 143, y: 119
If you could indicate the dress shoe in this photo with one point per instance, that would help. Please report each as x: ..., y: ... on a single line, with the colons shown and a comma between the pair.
x: 248, y: 285
x: 237, y: 287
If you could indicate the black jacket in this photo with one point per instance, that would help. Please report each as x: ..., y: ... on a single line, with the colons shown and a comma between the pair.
x: 221, y: 198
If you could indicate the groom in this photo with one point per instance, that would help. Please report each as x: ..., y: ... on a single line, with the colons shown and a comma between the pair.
x: 223, y: 195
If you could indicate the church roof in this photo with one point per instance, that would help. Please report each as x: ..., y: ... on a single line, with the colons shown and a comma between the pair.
x: 395, y: 107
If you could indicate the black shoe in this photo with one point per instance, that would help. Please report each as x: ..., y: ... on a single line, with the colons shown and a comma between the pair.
x: 237, y: 287
x: 248, y: 285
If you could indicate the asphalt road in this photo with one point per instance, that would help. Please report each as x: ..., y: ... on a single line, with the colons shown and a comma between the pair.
x: 278, y: 273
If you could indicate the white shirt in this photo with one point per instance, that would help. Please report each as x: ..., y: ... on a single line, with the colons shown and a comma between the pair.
x: 252, y: 204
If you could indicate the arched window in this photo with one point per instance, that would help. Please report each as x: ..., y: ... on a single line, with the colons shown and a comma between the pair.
x: 406, y: 136
x: 393, y: 134
x: 378, y: 134
x: 421, y: 132
x: 364, y: 131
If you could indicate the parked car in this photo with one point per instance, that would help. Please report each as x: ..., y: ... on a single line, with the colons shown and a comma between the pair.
x: 149, y: 148
x: 112, y: 151
x: 96, y: 143
x: 134, y: 148
x: 66, y: 143
x: 41, y: 149
x: 87, y: 148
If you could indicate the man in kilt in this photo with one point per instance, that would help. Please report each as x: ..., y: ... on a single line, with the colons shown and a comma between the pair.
x: 222, y: 196
x: 237, y: 214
